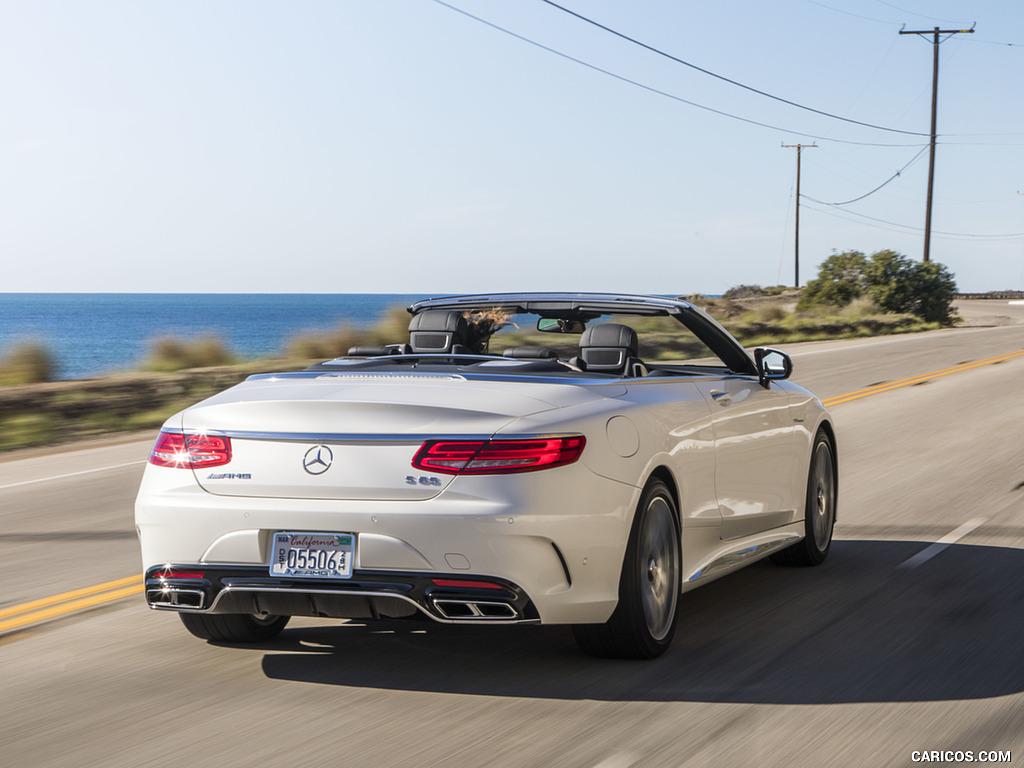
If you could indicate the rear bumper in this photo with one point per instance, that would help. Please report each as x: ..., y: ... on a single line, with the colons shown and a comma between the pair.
x: 446, y: 598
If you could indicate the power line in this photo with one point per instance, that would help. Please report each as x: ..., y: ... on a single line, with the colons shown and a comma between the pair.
x: 727, y: 79
x: 659, y: 92
x: 918, y: 230
x: 919, y: 15
x: 847, y: 13
x: 880, y: 186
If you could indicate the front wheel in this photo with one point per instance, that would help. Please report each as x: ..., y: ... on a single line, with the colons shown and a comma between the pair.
x: 233, y: 627
x: 645, y: 619
x: 819, y: 509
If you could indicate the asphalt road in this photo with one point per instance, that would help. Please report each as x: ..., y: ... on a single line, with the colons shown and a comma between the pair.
x: 896, y: 644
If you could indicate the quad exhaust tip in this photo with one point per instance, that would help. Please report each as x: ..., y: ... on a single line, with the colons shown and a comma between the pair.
x: 470, y: 610
x: 175, y: 597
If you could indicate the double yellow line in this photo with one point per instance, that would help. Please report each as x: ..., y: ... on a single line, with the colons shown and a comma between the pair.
x: 59, y: 605
x: 909, y: 382
x: 69, y: 602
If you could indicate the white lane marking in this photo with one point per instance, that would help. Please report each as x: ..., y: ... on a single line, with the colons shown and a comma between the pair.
x: 71, y: 474
x: 950, y: 538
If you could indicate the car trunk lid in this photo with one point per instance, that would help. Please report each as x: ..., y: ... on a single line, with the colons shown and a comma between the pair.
x: 352, y: 436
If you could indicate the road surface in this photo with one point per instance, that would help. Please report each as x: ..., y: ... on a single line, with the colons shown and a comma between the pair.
x: 908, y: 639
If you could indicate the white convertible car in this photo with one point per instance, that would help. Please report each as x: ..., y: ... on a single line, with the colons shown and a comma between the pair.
x: 615, y: 452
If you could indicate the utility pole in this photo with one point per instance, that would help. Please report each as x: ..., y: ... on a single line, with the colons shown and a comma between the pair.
x: 796, y: 250
x: 935, y: 101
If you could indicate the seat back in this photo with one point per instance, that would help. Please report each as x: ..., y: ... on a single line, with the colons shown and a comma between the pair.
x: 438, y: 331
x: 609, y: 348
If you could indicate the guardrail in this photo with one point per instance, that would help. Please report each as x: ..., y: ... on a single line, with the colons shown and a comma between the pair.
x: 1004, y: 295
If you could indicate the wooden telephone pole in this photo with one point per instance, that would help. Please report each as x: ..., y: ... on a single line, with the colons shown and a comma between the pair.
x: 935, y: 101
x: 796, y: 250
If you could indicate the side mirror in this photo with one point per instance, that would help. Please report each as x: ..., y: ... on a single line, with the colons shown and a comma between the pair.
x: 772, y: 364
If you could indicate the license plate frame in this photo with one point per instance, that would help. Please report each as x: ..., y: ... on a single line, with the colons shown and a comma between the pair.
x: 312, y: 555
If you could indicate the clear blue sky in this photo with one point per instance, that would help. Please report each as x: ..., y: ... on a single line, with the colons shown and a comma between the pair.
x: 400, y: 146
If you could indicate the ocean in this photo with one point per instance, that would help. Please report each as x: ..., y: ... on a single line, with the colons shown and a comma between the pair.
x: 90, y: 334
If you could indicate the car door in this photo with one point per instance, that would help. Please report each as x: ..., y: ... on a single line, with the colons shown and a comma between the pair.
x: 756, y: 454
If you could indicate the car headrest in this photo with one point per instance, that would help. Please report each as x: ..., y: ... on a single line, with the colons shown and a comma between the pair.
x: 437, y: 331
x: 607, y: 347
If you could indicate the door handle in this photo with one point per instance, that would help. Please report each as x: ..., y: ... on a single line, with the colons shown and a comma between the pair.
x: 720, y: 397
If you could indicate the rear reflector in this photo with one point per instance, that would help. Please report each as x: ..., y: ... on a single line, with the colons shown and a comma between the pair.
x: 190, y: 451
x: 172, y: 574
x: 497, y: 457
x: 461, y: 584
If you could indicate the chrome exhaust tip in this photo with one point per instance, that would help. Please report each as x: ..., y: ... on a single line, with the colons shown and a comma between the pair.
x: 475, y: 610
x: 175, y: 597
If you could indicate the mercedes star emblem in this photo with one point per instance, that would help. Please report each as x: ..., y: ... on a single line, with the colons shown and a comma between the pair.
x: 317, y: 460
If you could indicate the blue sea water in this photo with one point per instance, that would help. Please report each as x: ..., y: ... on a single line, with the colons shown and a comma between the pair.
x: 90, y: 334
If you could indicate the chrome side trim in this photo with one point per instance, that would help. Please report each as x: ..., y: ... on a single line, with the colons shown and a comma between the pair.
x: 733, y: 560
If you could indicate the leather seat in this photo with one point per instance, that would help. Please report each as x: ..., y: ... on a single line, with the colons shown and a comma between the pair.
x: 438, y: 331
x: 610, y: 348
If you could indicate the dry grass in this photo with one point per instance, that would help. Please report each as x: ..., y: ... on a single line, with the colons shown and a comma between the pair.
x: 168, y: 353
x: 323, y: 345
x: 27, y: 362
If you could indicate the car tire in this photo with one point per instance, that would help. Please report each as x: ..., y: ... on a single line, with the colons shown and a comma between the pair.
x: 233, y: 627
x: 644, y: 621
x: 819, y: 509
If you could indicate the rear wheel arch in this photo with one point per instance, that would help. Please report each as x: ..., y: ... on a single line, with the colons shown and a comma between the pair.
x: 664, y: 474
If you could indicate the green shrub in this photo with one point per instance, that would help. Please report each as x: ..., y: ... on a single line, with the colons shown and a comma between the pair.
x: 890, y: 280
x: 168, y: 353
x: 323, y: 345
x: 27, y: 362
x: 842, y: 278
x: 391, y: 328
x: 744, y: 292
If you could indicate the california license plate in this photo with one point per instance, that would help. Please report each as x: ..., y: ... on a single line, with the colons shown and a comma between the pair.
x: 312, y: 555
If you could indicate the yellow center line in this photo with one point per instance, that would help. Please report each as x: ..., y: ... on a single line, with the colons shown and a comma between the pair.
x: 891, y: 385
x: 68, y: 602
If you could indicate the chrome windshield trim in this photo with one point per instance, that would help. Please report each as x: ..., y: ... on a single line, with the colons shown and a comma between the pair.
x: 541, y: 301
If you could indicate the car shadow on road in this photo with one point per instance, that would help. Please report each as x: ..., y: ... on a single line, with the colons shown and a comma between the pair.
x: 861, y: 628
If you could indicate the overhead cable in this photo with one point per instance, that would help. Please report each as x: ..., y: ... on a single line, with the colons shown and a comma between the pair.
x: 954, y: 235
x: 727, y: 79
x: 919, y: 15
x: 659, y: 92
x: 880, y: 186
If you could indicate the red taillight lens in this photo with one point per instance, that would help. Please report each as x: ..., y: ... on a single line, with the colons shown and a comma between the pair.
x: 190, y: 451
x: 463, y: 584
x: 497, y: 457
x: 173, y: 574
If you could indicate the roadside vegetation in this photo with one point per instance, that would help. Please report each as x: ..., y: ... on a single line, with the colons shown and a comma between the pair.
x: 893, y: 282
x: 27, y: 362
x: 853, y: 295
x: 168, y: 353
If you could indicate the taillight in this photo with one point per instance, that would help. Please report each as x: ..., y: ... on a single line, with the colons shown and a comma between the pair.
x: 497, y: 457
x: 190, y: 451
